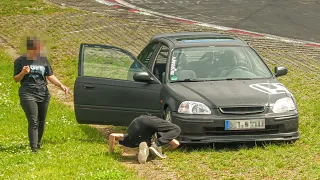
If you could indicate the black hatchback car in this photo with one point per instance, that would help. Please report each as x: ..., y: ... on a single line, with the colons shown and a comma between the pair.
x: 215, y: 87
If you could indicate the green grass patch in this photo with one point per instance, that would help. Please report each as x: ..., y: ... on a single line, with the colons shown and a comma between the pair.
x: 14, y: 7
x: 70, y: 150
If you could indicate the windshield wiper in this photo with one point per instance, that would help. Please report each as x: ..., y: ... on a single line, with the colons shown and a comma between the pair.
x: 231, y: 79
x: 204, y: 80
x: 188, y: 80
x: 214, y: 80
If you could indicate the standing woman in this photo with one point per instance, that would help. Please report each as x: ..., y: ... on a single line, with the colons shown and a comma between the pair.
x: 32, y: 71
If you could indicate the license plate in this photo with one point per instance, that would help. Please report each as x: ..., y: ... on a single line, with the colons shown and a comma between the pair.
x: 244, y: 124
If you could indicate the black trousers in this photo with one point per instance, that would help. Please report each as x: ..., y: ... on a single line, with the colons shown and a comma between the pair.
x: 144, y: 127
x: 36, y: 113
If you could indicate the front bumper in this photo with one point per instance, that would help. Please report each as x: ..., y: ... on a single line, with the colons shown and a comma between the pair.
x: 189, y: 139
x: 210, y: 129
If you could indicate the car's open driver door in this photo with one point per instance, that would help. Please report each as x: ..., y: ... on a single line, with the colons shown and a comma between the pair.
x: 105, y: 92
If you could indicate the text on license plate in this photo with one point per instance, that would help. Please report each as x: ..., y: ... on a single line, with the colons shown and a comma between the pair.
x: 244, y: 124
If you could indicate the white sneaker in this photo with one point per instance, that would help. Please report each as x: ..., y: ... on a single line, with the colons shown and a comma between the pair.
x: 156, y: 151
x: 143, y: 153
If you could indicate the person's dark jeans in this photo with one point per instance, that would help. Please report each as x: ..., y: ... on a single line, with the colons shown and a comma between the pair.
x: 36, y: 114
x: 167, y: 130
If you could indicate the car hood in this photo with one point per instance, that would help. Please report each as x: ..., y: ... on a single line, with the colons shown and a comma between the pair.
x: 232, y: 93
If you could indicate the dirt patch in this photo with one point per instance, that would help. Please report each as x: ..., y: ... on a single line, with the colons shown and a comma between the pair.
x: 153, y: 169
x: 9, y: 49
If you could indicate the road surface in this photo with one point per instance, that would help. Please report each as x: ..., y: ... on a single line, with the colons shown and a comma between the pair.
x: 298, y: 19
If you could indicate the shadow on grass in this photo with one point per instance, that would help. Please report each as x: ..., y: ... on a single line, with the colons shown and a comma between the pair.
x: 131, y: 159
x: 85, y: 134
x: 92, y: 134
x: 231, y: 146
x: 14, y: 148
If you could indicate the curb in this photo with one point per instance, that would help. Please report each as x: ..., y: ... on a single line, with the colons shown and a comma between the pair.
x: 134, y: 9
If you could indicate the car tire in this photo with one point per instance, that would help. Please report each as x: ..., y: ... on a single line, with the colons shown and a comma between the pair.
x: 168, y: 115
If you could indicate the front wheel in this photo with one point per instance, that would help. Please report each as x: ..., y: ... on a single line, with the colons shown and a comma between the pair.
x: 167, y: 117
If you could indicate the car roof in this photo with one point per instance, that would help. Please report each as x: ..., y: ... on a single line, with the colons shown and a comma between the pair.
x: 194, y: 39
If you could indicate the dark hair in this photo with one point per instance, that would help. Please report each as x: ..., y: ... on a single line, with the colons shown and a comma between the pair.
x: 32, y: 43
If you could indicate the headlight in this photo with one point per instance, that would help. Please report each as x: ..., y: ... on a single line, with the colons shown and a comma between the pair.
x: 283, y: 105
x: 192, y: 107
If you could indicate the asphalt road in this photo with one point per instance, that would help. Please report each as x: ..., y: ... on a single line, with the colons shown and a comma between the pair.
x: 299, y: 19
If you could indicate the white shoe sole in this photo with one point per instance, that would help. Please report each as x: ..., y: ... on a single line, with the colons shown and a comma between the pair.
x: 154, y: 152
x: 143, y: 153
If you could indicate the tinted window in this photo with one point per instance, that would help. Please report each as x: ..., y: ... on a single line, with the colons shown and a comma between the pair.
x: 160, y: 63
x: 146, y: 54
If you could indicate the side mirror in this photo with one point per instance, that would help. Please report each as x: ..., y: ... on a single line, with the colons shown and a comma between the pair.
x: 280, y: 71
x: 142, y: 77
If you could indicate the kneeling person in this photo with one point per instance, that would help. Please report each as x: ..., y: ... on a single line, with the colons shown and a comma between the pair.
x: 140, y: 132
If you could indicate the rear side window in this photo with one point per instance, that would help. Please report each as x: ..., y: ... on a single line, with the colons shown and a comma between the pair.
x: 159, y: 67
x: 163, y: 55
x: 146, y: 54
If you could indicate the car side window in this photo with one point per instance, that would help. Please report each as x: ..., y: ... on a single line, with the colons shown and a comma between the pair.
x: 159, y: 67
x: 146, y: 54
x: 111, y: 63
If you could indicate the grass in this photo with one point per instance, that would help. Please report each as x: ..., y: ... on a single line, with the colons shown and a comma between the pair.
x: 70, y: 151
x: 23, y: 7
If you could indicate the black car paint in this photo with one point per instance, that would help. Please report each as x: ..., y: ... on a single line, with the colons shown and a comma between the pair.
x: 109, y: 96
x: 154, y: 97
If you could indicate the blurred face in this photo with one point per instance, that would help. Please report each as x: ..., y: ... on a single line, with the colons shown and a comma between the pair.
x: 37, y: 50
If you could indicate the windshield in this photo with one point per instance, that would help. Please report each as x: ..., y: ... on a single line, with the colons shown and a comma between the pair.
x: 216, y: 63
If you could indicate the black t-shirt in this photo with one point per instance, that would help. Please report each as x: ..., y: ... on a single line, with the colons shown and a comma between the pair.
x: 34, y: 85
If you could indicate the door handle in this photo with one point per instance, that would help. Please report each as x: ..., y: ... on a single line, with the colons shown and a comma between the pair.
x: 87, y: 86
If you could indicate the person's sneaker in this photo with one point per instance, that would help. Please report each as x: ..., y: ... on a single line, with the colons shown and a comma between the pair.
x: 143, y: 153
x: 156, y: 151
